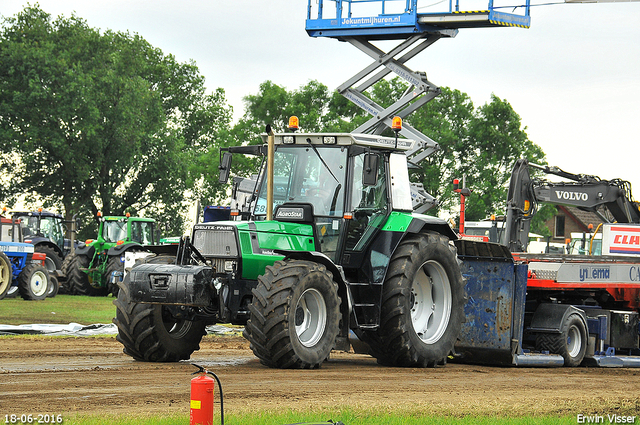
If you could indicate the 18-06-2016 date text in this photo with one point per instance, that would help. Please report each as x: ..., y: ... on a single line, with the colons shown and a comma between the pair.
x: 28, y: 418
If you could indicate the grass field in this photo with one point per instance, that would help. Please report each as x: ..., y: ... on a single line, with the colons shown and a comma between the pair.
x: 61, y: 309
x: 347, y: 417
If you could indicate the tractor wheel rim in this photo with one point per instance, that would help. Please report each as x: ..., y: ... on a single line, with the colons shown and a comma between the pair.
x: 5, y: 277
x: 431, y: 302
x: 176, y: 328
x: 310, y: 317
x: 574, y: 341
x: 38, y: 283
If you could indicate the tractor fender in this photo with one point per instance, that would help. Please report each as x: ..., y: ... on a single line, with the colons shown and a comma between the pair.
x: 422, y: 223
x: 49, y: 244
x: 550, y: 318
x: 120, y: 249
x: 316, y: 257
x: 84, y: 249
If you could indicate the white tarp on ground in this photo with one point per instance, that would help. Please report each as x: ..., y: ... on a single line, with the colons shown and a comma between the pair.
x: 76, y: 329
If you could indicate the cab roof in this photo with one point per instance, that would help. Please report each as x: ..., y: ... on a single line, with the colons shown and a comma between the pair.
x: 342, y: 139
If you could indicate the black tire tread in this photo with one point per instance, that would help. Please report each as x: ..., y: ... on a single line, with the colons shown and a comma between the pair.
x: 391, y: 343
x: 268, y: 328
x: 24, y: 282
x: 113, y: 264
x: 141, y: 331
x: 79, y: 280
x: 556, y: 343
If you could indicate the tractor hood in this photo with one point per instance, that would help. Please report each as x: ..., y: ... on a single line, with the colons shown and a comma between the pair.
x: 252, y: 242
x: 16, y: 247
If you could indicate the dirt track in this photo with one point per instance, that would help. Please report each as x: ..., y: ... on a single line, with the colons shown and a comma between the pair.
x: 91, y: 375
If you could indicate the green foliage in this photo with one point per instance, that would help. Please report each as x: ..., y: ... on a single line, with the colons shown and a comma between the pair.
x: 94, y: 120
x: 100, y: 121
x: 479, y: 144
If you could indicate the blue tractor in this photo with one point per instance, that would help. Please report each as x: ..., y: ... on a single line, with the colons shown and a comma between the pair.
x: 22, y: 270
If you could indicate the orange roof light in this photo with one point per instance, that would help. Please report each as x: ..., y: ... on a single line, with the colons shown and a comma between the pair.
x: 294, y: 123
x: 40, y: 209
x: 128, y: 215
x: 99, y: 214
x: 396, y: 124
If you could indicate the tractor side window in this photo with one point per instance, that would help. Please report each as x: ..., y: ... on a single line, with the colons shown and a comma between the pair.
x: 369, y: 206
x: 147, y: 233
x: 141, y: 232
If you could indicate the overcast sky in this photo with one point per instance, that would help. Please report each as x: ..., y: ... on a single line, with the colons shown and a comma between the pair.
x: 573, y: 77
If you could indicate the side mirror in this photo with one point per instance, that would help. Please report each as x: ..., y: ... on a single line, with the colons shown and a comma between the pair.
x: 225, y: 167
x: 370, y: 170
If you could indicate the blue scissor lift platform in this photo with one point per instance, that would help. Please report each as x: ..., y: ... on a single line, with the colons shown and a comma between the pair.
x: 415, y: 26
x: 397, y: 19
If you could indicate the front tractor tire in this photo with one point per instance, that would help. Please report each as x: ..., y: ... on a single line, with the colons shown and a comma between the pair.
x: 422, y: 304
x: 33, y: 282
x: 295, y: 315
x: 149, y: 332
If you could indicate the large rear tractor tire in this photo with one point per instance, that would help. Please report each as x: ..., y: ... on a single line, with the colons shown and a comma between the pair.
x: 422, y: 304
x: 149, y: 332
x: 78, y: 280
x: 66, y: 284
x: 6, y: 275
x: 53, y: 261
x: 33, y: 282
x: 295, y: 315
x: 571, y: 344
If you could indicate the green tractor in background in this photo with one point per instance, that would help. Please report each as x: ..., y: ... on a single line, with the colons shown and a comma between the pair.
x: 88, y: 271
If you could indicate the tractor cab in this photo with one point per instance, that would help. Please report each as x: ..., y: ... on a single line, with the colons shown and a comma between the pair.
x: 42, y: 224
x: 344, y: 185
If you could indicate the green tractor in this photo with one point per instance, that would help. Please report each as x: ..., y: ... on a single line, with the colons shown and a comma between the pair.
x: 333, y: 248
x: 89, y: 269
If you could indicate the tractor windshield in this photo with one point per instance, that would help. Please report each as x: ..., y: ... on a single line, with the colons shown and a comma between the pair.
x: 304, y: 174
x: 114, y: 231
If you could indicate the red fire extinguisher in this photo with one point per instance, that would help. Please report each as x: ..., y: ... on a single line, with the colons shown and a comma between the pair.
x: 202, y: 389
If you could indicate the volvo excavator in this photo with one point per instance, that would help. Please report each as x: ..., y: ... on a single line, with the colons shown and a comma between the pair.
x: 611, y: 200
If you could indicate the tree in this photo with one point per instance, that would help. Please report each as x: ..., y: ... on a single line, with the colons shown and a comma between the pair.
x: 480, y: 144
x: 477, y: 144
x: 100, y: 121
